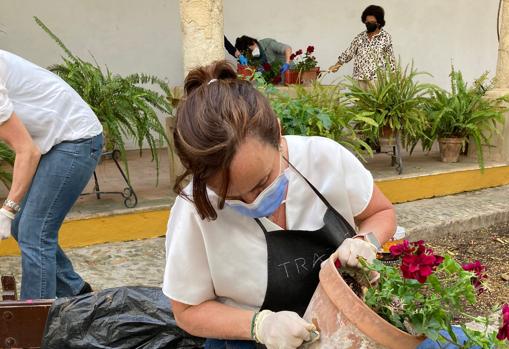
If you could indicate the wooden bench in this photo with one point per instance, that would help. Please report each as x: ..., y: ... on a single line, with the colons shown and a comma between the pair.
x: 22, y: 323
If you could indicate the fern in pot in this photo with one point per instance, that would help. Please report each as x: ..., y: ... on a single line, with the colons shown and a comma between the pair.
x: 395, y: 100
x: 463, y: 115
x: 125, y: 107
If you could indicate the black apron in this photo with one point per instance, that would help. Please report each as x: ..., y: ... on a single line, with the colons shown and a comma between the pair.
x: 294, y: 258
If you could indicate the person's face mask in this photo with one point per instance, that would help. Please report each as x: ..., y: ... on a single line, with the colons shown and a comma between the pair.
x: 371, y: 27
x: 267, y: 202
x: 256, y: 51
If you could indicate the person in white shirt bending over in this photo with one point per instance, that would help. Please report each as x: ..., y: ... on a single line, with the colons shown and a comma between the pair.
x: 246, y: 237
x: 58, y: 141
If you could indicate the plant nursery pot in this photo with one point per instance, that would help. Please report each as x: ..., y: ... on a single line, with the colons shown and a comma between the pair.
x: 450, y: 149
x: 346, y: 322
x: 246, y: 71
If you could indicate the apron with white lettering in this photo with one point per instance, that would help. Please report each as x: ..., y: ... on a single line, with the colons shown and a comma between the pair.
x: 294, y: 258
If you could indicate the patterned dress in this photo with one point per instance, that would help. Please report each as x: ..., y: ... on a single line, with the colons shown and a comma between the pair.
x: 369, y: 55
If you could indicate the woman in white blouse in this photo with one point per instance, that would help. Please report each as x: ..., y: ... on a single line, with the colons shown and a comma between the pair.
x: 247, y: 235
x: 58, y: 141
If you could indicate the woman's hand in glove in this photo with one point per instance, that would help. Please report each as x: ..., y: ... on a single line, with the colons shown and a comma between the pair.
x: 6, y: 218
x: 281, y: 330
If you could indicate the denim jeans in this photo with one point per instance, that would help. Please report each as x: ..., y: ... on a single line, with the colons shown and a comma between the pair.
x: 60, y: 178
x: 229, y: 344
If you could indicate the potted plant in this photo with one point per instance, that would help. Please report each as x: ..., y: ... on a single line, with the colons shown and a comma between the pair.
x: 320, y: 110
x: 395, y: 100
x: 463, y: 115
x: 124, y: 106
x: 419, y: 296
x: 304, y: 67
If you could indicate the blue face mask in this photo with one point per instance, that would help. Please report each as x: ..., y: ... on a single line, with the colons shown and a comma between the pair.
x: 266, y: 203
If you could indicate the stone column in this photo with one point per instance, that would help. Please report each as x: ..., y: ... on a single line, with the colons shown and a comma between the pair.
x: 502, y: 81
x: 501, y: 142
x: 201, y: 24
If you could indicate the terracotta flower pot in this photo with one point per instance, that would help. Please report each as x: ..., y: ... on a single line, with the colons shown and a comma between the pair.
x: 450, y: 149
x: 346, y: 322
x: 246, y: 71
x: 304, y: 77
x: 386, y: 139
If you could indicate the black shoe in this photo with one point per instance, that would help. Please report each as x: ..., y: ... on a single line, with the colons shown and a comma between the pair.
x: 85, y: 289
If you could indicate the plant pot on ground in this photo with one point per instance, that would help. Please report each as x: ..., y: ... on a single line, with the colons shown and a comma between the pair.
x: 246, y: 72
x: 395, y: 99
x: 304, y: 67
x: 346, y: 322
x: 464, y: 112
x: 306, y: 77
x: 450, y: 149
x: 418, y: 295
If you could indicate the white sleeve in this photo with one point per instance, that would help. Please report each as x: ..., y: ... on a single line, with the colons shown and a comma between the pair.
x: 6, y: 107
x: 358, y: 181
x: 187, y: 276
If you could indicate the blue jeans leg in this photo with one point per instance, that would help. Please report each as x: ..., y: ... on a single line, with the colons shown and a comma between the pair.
x: 229, y: 344
x: 61, y: 176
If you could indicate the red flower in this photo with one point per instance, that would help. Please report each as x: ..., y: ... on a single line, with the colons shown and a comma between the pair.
x: 480, y: 274
x: 298, y: 53
x: 266, y: 67
x: 417, y: 261
x: 310, y: 49
x: 503, y: 331
x: 419, y: 267
x: 337, y: 264
x: 292, y: 56
x: 401, y: 249
x: 277, y: 79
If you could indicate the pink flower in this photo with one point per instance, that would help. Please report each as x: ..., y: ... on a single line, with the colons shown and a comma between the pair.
x: 480, y: 274
x: 292, y: 56
x: 310, y: 49
x: 298, y: 53
x: 503, y: 331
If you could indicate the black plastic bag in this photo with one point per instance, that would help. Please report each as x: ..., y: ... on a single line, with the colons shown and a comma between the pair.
x: 124, y: 317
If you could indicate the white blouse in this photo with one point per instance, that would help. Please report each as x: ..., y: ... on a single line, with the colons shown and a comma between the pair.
x: 226, y: 259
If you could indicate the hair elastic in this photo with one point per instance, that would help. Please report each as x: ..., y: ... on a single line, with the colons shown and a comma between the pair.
x: 211, y: 81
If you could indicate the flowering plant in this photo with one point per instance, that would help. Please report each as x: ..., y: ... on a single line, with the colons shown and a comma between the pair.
x: 424, y: 294
x: 304, y: 61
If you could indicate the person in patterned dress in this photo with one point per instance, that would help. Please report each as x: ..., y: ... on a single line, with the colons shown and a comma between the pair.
x: 370, y: 50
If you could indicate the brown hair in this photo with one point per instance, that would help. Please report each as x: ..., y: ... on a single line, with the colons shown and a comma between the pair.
x: 216, y: 114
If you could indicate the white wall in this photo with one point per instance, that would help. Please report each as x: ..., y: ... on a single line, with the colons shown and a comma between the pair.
x: 126, y: 35
x: 144, y: 36
x: 431, y: 32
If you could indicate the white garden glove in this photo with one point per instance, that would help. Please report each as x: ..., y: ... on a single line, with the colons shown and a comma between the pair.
x: 6, y: 218
x: 350, y: 249
x: 281, y: 330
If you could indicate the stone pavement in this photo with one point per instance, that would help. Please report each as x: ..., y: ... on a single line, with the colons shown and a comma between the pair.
x: 142, y: 262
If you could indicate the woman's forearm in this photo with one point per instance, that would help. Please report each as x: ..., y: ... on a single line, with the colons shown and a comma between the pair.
x: 16, y: 136
x: 212, y: 319
x: 382, y: 224
x: 25, y: 165
x: 379, y: 217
